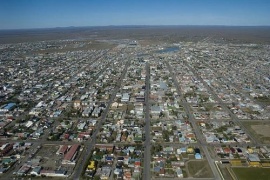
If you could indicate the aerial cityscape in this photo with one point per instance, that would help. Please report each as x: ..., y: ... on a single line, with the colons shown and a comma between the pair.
x: 138, y: 100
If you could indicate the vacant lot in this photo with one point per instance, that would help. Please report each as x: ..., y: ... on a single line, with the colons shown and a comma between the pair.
x: 259, y: 130
x: 49, y: 157
x: 199, y: 169
x: 252, y: 173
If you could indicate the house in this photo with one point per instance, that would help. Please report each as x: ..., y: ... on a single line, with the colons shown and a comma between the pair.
x: 6, y: 148
x: 183, y: 150
x: 253, y: 160
x: 97, y: 112
x: 168, y: 150
x: 114, y: 105
x: 198, y: 156
x: 87, y: 111
x: 82, y: 136
x: 226, y: 150
x: 105, y: 173
x: 81, y: 126
x: 155, y: 110
x: 140, y: 97
x: 77, y: 104
x: 104, y: 147
x: 109, y: 159
x: 23, y: 170
x: 179, y: 173
x: 177, y: 164
x: 125, y: 97
x: 36, y: 171
x: 137, y: 163
x: 127, y: 175
x: 190, y: 150
x: 52, y: 173
x: 162, y: 172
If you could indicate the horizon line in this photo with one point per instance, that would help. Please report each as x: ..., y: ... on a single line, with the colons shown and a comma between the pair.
x: 63, y: 27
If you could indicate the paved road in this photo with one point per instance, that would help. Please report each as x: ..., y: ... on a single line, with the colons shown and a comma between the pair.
x: 89, y: 145
x: 67, y: 68
x: 194, y: 125
x: 147, y: 144
x: 234, y: 117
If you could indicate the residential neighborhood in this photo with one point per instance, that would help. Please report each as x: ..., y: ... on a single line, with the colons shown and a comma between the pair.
x: 133, y: 111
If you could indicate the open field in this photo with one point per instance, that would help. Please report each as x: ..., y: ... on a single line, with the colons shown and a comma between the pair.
x: 49, y: 157
x: 150, y: 34
x: 252, y: 173
x: 89, y: 45
x: 259, y: 130
x: 199, y: 169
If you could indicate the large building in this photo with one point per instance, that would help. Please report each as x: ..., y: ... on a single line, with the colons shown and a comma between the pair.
x: 8, y: 107
x: 71, y: 154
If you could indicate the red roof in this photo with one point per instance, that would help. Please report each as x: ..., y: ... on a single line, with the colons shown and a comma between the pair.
x: 66, y: 136
x: 71, y: 152
x: 226, y: 150
x: 63, y: 149
x: 138, y: 163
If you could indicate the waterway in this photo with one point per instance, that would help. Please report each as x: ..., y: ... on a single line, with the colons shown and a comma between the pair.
x: 169, y: 49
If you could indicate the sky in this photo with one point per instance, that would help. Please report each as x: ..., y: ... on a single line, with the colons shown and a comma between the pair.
x: 24, y: 14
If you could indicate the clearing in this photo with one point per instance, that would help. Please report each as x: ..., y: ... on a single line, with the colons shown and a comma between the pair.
x: 252, y: 173
x: 199, y: 169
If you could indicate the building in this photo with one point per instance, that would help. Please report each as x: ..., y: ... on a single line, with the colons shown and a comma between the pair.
x: 36, y: 171
x: 52, y: 173
x: 91, y: 166
x: 8, y: 107
x: 77, y: 104
x: 104, y: 147
x: 253, y: 160
x: 62, y: 150
x: 23, y: 170
x: 87, y: 111
x: 125, y: 97
x: 179, y: 173
x: 155, y: 110
x: 71, y: 154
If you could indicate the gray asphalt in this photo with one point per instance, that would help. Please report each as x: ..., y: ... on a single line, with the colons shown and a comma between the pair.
x: 89, y: 145
x: 147, y: 144
x: 195, y: 127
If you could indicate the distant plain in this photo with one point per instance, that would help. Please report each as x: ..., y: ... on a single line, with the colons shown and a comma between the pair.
x: 145, y: 34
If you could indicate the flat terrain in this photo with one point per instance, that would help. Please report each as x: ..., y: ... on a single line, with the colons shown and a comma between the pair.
x: 262, y: 130
x: 252, y: 173
x: 259, y: 129
x: 150, y: 34
x: 49, y: 157
x: 199, y: 169
x: 225, y: 172
x: 88, y: 45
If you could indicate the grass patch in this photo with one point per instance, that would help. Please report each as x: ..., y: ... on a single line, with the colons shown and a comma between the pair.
x: 199, y: 169
x: 252, y: 173
x: 261, y: 134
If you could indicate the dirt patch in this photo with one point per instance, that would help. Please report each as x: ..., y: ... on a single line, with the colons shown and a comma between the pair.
x: 199, y: 169
x: 262, y: 130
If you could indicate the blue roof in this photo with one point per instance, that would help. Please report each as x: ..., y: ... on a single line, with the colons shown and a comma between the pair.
x: 198, y: 156
x: 109, y: 158
x: 9, y: 106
